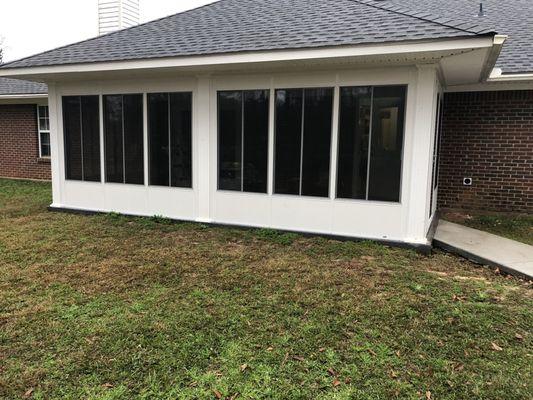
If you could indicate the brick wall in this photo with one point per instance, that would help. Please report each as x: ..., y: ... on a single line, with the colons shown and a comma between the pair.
x: 487, y: 136
x: 19, y: 144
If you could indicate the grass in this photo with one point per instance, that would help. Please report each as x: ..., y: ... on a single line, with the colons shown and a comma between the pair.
x: 110, y: 307
x: 516, y: 227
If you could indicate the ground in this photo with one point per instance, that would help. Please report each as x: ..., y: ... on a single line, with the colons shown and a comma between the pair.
x: 109, y: 307
x: 517, y: 227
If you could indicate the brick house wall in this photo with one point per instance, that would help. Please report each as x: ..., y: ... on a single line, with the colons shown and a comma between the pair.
x: 487, y: 136
x: 19, y: 143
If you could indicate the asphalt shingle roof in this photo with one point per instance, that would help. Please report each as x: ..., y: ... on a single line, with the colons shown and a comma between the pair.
x: 229, y: 26
x: 17, y: 86
x: 510, y: 17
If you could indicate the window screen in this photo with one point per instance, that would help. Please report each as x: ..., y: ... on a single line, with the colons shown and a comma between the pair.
x: 123, y: 130
x: 303, y: 141
x: 170, y: 139
x: 354, y: 135
x: 436, y: 152
x: 371, y: 130
x: 81, y: 118
x: 316, y: 155
x: 243, y: 140
x: 388, y: 109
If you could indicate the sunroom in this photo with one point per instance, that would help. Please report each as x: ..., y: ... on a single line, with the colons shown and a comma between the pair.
x: 334, y: 140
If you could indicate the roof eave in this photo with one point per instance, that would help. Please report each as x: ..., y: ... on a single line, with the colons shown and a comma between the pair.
x: 497, y: 75
x: 23, y: 96
x: 46, y: 73
x: 492, y: 57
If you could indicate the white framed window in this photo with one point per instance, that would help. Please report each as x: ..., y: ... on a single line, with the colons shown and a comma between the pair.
x: 43, y: 125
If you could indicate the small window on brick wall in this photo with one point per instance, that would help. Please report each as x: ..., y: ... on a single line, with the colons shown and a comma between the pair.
x: 43, y: 122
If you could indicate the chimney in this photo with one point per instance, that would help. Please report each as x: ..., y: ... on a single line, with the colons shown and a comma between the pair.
x: 117, y: 14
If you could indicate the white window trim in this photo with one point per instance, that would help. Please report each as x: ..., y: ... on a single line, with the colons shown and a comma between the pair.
x: 39, y: 130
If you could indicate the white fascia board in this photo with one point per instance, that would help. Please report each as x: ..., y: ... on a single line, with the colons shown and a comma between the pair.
x: 258, y: 57
x: 23, y: 96
x: 493, y: 56
x: 497, y: 75
x: 491, y: 86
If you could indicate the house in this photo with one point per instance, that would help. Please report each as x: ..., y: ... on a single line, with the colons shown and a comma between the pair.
x: 24, y: 130
x: 320, y: 116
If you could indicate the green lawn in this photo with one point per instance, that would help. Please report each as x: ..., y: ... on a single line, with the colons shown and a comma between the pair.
x: 516, y: 227
x: 109, y: 307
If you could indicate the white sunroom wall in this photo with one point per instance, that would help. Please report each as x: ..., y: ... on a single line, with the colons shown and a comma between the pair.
x: 435, y: 138
x: 403, y: 221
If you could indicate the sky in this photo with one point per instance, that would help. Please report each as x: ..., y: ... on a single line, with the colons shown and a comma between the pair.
x: 29, y: 27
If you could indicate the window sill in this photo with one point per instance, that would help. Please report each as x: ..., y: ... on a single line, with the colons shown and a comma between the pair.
x: 44, y: 160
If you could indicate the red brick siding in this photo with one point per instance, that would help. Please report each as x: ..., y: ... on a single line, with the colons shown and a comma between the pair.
x: 487, y: 136
x: 19, y: 143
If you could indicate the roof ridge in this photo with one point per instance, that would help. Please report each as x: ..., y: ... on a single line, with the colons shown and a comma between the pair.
x: 425, y: 16
x: 109, y: 34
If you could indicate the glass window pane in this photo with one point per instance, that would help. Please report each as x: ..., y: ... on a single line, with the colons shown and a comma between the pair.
x: 255, y: 162
x: 158, y: 138
x: 354, y: 131
x: 72, y: 137
x: 45, y: 150
x: 318, y: 112
x: 181, y: 139
x: 44, y: 120
x: 386, y: 143
x: 133, y: 139
x: 44, y: 124
x: 90, y: 111
x: 288, y: 141
x: 45, y: 138
x: 43, y: 112
x: 229, y: 140
x: 45, y: 144
x: 113, y: 138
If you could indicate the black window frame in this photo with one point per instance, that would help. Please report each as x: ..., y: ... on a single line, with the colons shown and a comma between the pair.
x: 369, y: 160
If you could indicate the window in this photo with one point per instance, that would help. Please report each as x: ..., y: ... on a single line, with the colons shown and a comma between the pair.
x: 371, y: 142
x: 123, y: 132
x: 170, y: 139
x: 243, y: 140
x: 303, y: 141
x: 43, y: 122
x: 81, y: 119
x: 354, y: 138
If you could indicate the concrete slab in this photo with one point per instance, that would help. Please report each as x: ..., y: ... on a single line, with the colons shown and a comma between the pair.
x: 485, y: 248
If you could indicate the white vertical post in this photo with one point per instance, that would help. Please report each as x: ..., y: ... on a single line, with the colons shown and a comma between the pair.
x: 203, y: 148
x: 421, y: 153
x: 271, y: 128
x: 56, y: 144
x: 334, y: 141
x: 145, y: 138
x: 102, y: 138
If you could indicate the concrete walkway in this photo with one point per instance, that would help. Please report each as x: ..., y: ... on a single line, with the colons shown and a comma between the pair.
x: 484, y: 248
